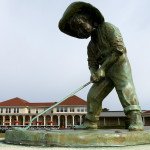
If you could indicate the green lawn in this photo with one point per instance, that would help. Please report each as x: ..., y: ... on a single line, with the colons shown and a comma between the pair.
x: 2, y: 135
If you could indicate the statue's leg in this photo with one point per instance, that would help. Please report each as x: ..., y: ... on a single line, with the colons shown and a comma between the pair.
x: 95, y: 97
x: 131, y: 106
x: 123, y: 83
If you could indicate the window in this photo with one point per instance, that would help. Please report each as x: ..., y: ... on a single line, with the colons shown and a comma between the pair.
x: 65, y: 109
x: 78, y: 109
x: 6, y: 110
x: 9, y: 110
x: 72, y: 109
x: 37, y: 111
x: 29, y: 110
x: 17, y: 110
x: 61, y: 109
x: 1, y: 110
x: 14, y: 110
x: 57, y: 109
x: 82, y: 109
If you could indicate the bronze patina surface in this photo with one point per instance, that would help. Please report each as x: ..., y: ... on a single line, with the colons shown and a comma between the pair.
x: 107, y: 61
x: 78, y: 138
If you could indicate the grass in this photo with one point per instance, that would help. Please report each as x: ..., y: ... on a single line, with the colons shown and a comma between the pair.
x: 2, y: 135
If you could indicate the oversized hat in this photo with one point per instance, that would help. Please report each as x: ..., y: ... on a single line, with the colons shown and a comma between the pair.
x: 78, y: 8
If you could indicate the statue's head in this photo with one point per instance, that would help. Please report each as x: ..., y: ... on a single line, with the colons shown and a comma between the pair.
x: 82, y: 25
x: 80, y: 19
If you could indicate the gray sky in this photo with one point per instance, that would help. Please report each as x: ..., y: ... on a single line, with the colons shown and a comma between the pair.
x: 40, y: 63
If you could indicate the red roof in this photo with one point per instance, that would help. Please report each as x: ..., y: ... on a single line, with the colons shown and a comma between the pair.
x: 41, y: 104
x: 74, y: 100
x: 146, y: 112
x: 14, y: 102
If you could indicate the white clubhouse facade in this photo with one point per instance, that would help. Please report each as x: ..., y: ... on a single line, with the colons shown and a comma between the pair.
x: 19, y: 112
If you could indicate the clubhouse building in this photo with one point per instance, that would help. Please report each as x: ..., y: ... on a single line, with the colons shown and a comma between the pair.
x: 19, y: 112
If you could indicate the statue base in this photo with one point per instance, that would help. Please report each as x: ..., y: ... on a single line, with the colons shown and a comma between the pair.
x: 77, y: 138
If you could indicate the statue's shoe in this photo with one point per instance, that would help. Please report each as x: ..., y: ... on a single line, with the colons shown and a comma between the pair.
x: 136, y: 128
x: 136, y: 123
x: 86, y: 125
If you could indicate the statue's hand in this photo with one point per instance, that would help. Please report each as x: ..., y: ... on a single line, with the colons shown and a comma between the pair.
x: 100, y: 73
x: 97, y: 76
x: 94, y: 78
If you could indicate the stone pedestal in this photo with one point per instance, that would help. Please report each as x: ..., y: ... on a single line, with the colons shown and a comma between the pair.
x: 78, y: 138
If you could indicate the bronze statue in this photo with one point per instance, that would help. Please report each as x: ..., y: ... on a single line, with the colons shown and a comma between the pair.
x: 107, y: 60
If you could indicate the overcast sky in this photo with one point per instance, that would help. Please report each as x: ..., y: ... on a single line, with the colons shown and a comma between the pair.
x: 39, y: 63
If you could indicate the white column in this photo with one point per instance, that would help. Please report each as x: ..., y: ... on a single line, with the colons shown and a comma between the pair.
x: 10, y: 119
x: 3, y: 120
x: 44, y: 120
x: 144, y: 121
x: 37, y: 124
x: 59, y: 121
x: 80, y: 119
x: 104, y: 122
x: 17, y: 119
x: 72, y: 120
x: 118, y: 121
x: 23, y: 120
x: 51, y: 120
x: 66, y: 122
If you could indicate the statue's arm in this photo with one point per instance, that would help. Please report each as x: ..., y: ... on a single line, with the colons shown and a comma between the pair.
x: 110, y: 61
x: 92, y: 62
x: 115, y: 40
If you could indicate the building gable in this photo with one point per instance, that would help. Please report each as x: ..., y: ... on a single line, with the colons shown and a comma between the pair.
x: 71, y: 101
x: 74, y: 100
x: 14, y: 102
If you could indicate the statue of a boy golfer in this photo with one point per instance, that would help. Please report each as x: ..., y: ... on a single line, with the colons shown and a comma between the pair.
x: 107, y: 60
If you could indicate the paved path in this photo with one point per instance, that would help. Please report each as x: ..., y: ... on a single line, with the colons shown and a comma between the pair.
x: 4, y: 146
